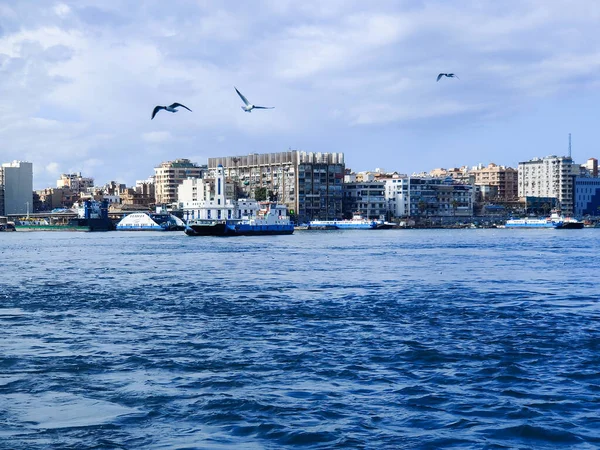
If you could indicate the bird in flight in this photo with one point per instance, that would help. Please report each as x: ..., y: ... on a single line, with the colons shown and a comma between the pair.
x: 449, y: 75
x: 171, y: 108
x: 248, y: 107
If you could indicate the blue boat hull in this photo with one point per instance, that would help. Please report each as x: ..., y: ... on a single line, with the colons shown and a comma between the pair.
x: 237, y: 229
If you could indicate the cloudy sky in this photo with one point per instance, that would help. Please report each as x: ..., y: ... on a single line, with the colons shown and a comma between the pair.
x: 79, y: 80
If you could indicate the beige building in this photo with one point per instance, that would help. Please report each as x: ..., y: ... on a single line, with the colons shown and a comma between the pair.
x: 497, y: 182
x: 169, y: 175
x: 75, y: 182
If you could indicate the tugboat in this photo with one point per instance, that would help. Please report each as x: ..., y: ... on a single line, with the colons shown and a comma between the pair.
x: 270, y: 219
x: 245, y: 217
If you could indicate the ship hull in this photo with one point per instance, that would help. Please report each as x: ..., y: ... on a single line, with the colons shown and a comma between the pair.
x: 227, y: 229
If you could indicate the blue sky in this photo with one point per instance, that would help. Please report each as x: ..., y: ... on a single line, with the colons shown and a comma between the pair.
x: 79, y: 80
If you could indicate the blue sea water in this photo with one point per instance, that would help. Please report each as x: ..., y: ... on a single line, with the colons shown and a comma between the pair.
x: 352, y: 339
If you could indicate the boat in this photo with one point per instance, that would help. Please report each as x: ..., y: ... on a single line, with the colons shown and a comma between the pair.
x: 8, y: 226
x: 160, y: 220
x: 90, y: 215
x: 221, y: 216
x: 555, y: 220
x: 269, y: 219
x: 356, y: 223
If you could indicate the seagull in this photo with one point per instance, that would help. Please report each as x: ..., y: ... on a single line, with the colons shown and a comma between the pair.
x: 249, y: 106
x: 449, y: 75
x: 171, y: 108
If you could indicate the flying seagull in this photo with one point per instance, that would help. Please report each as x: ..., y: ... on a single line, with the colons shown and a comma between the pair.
x: 171, y: 108
x: 248, y: 107
x: 449, y: 75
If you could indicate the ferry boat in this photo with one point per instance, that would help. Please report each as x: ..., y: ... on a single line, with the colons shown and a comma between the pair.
x: 270, y: 219
x: 160, y: 220
x: 356, y: 223
x: 220, y: 216
x: 555, y: 220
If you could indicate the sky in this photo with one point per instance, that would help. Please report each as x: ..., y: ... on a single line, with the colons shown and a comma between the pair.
x: 79, y: 80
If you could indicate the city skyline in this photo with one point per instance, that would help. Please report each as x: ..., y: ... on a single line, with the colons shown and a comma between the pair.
x: 80, y: 80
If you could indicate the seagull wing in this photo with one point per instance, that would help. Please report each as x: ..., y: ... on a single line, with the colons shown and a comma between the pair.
x: 244, y: 99
x: 264, y: 107
x: 440, y: 76
x: 156, y: 109
x: 175, y: 105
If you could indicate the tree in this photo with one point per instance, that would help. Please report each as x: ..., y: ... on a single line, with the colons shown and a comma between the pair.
x: 260, y: 194
x: 454, y: 204
x: 422, y: 206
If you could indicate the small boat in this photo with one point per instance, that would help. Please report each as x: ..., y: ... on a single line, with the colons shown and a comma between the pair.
x: 9, y: 226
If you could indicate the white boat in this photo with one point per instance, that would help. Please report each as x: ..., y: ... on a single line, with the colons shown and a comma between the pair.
x: 146, y: 221
x: 555, y: 220
x: 356, y: 223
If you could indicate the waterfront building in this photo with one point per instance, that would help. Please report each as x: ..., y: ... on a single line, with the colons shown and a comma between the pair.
x: 16, y: 184
x: 552, y: 176
x: 498, y: 183
x: 366, y: 198
x: 587, y: 196
x: 428, y: 196
x: 169, y: 175
x: 75, y: 181
x: 309, y: 184
x: 51, y: 198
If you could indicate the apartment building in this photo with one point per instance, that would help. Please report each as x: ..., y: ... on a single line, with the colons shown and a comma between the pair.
x: 366, y: 198
x: 497, y: 182
x: 75, y: 181
x: 309, y: 184
x: 428, y: 196
x: 169, y: 175
x: 16, y: 184
x: 552, y: 176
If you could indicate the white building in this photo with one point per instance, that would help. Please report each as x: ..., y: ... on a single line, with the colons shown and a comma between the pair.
x: 549, y: 177
x: 198, y: 205
x: 428, y: 196
x: 16, y: 180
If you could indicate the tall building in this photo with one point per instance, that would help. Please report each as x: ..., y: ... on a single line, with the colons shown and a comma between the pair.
x: 497, y: 182
x: 309, y: 184
x: 169, y: 175
x: 16, y: 180
x: 552, y: 176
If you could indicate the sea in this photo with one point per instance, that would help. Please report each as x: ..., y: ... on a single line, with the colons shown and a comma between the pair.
x: 367, y: 339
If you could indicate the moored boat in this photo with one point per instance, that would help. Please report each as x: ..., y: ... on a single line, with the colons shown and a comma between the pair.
x: 356, y: 223
x: 160, y: 220
x: 271, y: 219
x: 555, y: 220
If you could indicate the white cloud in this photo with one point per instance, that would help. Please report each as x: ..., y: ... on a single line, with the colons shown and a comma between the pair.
x: 62, y: 10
